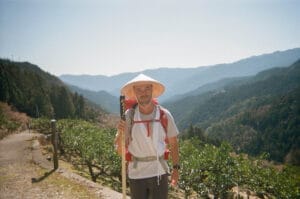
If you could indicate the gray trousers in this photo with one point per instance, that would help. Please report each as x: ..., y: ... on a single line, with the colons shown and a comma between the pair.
x: 148, y: 188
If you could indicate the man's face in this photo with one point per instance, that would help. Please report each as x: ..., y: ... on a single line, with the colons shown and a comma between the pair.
x: 143, y: 93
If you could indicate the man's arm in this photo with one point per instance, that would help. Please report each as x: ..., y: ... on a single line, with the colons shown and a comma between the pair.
x: 174, y: 148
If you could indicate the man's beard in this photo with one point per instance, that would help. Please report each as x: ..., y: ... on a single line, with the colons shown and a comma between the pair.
x: 144, y: 100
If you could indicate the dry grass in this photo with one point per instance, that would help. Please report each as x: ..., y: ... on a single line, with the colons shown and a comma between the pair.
x: 11, y: 121
x: 14, y: 115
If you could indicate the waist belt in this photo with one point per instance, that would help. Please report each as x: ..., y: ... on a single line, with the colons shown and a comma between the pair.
x: 161, y: 159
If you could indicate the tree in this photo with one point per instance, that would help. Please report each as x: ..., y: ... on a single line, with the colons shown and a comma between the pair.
x: 64, y: 107
x: 79, y: 105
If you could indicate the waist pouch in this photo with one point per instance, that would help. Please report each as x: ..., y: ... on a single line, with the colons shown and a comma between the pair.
x: 129, y: 156
x: 161, y: 159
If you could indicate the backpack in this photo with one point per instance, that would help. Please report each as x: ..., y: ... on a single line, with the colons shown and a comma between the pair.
x: 132, y: 104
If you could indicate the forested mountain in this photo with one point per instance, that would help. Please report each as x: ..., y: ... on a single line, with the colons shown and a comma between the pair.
x: 182, y: 80
x: 217, y: 86
x: 37, y: 93
x: 102, y: 98
x: 258, y: 114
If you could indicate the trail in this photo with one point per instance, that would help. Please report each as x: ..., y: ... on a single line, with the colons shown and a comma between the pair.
x: 26, y: 173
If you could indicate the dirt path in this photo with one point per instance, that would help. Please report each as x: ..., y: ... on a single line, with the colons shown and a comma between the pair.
x: 25, y: 173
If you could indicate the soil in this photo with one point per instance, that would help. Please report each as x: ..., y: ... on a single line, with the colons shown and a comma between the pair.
x: 25, y: 173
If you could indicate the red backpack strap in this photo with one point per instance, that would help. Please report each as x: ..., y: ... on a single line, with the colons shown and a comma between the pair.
x: 164, y: 122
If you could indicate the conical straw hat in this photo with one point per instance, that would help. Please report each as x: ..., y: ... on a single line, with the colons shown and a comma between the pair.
x: 157, y: 87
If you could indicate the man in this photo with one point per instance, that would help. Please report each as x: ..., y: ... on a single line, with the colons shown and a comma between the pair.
x: 147, y: 138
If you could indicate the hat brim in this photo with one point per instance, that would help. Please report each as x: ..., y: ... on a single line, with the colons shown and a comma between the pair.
x: 157, y: 88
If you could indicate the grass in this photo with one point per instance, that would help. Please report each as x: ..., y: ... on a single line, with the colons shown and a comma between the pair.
x: 3, y: 177
x: 67, y: 187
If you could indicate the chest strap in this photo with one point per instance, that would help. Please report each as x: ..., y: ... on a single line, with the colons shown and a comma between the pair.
x: 147, y: 122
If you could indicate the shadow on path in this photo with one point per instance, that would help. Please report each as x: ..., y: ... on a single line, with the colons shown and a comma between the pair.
x: 36, y: 180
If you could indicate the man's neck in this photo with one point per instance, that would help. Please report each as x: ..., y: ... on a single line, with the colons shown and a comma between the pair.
x: 146, y: 109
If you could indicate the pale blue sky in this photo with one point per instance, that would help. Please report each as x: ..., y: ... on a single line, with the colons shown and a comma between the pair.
x: 114, y: 36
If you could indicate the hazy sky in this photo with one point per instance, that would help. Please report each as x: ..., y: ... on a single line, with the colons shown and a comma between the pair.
x: 114, y: 36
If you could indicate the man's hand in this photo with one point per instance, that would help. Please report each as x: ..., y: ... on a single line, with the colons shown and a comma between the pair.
x: 121, y: 126
x: 118, y: 139
x: 174, y: 177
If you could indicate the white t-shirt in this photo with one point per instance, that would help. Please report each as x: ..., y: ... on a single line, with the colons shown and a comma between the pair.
x: 147, y: 142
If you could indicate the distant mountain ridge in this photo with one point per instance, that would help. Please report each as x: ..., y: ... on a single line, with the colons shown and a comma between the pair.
x: 182, y: 80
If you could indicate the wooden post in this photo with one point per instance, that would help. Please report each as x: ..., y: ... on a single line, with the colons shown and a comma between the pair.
x: 54, y: 143
x: 122, y: 114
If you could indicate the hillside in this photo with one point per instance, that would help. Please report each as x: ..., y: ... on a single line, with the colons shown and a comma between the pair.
x: 37, y: 93
x: 182, y: 80
x: 258, y: 114
x: 11, y: 121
